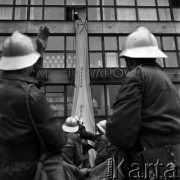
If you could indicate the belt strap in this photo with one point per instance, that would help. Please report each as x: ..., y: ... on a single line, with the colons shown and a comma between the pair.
x: 19, y: 153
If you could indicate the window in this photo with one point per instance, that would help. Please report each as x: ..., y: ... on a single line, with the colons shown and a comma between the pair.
x: 164, y: 14
x: 53, y: 13
x: 108, y: 2
x: 125, y: 14
x: 55, y: 96
x: 94, y: 14
x: 53, y: 60
x: 55, y: 43
x: 20, y: 13
x: 75, y: 2
x: 35, y: 13
x: 98, y: 99
x: 2, y: 2
x: 70, y: 60
x: 93, y: 2
x: 163, y: 2
x: 96, y: 60
x: 112, y: 92
x: 146, y: 2
x: 125, y: 2
x: 70, y: 93
x: 111, y: 59
x: 54, y: 2
x: 108, y: 14
x: 6, y: 13
x: 95, y: 43
x: 176, y: 9
x: 147, y: 14
x: 110, y: 43
x: 169, y: 48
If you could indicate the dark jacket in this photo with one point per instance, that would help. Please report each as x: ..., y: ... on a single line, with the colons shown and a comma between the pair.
x: 101, y: 146
x: 146, y: 110
x: 19, y: 146
x: 73, y: 149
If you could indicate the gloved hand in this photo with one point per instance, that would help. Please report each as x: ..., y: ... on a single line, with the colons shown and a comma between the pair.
x: 42, y: 38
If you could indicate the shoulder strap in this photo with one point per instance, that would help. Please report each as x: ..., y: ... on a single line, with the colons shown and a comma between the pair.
x: 42, y: 143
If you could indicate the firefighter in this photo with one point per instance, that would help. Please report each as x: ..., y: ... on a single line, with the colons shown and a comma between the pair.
x: 73, y: 150
x: 146, y: 113
x: 19, y: 145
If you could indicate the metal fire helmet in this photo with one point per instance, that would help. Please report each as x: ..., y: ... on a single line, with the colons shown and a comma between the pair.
x: 70, y: 125
x: 18, y: 52
x: 141, y: 44
x: 102, y: 125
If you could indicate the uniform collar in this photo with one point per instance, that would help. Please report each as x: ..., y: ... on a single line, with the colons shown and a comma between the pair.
x: 15, y: 76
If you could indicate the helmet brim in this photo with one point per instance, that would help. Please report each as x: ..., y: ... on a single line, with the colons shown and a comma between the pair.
x: 143, y: 52
x: 102, y: 129
x: 70, y: 129
x: 8, y: 63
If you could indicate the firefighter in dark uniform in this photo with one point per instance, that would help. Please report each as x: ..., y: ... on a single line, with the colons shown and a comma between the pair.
x: 146, y: 113
x: 19, y: 145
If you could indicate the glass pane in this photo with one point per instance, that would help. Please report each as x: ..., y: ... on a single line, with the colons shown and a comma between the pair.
x: 146, y: 2
x: 98, y: 97
x: 96, y: 60
x: 56, y: 101
x: 94, y: 14
x: 111, y: 60
x: 178, y: 40
x: 110, y: 43
x: 55, y: 43
x: 2, y: 39
x: 95, y: 43
x: 54, y: 13
x: 171, y: 61
x: 108, y: 2
x: 93, y: 2
x: 53, y: 60
x: 108, y: 14
x: 70, y: 93
x: 176, y: 13
x: 163, y: 2
x: 70, y: 60
x: 158, y: 41
x: 6, y: 1
x: 112, y: 92
x: 125, y: 2
x: 54, y: 2
x: 35, y: 13
x: 122, y: 63
x: 70, y: 43
x: 21, y: 2
x: 36, y: 2
x: 6, y: 13
x: 121, y: 41
x: 76, y: 2
x: 164, y: 14
x: 126, y: 14
x: 147, y: 14
x: 21, y: 13
x: 168, y: 43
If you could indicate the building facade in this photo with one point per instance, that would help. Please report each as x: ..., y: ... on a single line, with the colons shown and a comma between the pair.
x: 108, y: 23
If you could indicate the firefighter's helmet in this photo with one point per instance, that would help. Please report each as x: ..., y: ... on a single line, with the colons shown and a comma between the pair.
x: 102, y: 126
x: 70, y: 125
x: 141, y: 44
x: 18, y: 52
